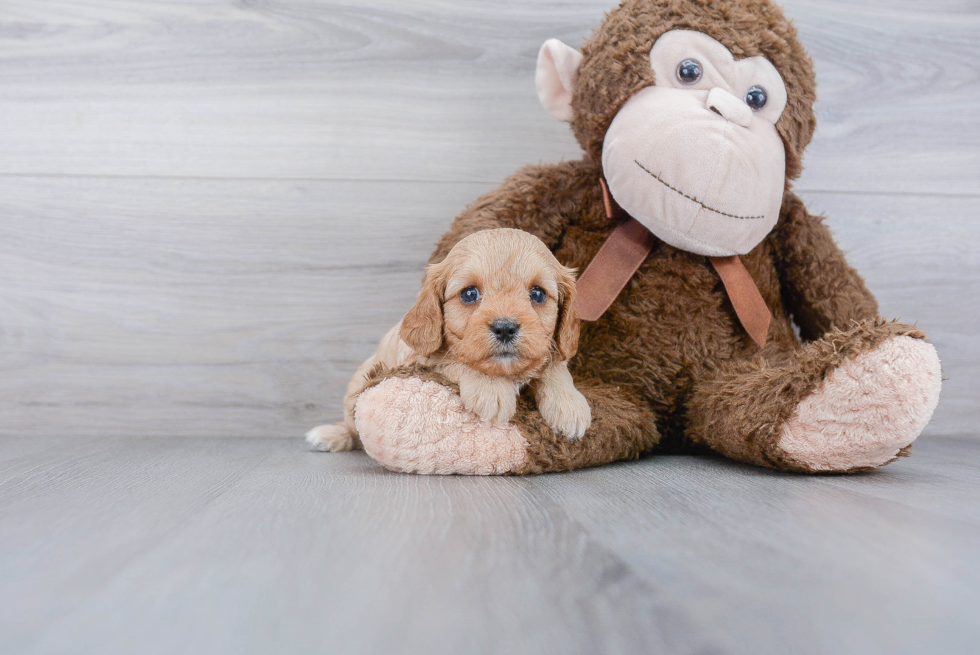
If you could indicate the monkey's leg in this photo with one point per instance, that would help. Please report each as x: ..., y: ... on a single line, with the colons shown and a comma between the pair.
x: 850, y: 401
x: 412, y: 420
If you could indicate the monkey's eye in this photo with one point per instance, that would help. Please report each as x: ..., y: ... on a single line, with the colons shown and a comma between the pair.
x: 469, y: 295
x: 756, y: 98
x: 538, y: 295
x: 689, y: 71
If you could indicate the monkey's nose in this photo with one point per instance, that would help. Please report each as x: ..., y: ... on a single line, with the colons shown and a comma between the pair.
x: 505, y: 330
x: 730, y: 107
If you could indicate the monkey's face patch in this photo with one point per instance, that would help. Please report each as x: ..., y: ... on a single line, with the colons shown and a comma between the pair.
x: 696, y: 158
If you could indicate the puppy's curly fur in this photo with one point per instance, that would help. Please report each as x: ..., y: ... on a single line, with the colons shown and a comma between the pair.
x: 496, y: 314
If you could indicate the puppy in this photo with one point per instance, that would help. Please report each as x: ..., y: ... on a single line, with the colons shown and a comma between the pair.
x: 496, y: 314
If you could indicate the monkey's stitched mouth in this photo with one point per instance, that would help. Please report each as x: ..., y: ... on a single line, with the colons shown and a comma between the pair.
x: 693, y: 199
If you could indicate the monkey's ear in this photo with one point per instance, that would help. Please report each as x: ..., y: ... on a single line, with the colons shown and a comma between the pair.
x: 422, y: 326
x: 555, y: 77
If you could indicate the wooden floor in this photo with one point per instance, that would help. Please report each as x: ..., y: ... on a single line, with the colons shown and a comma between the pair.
x: 219, y: 546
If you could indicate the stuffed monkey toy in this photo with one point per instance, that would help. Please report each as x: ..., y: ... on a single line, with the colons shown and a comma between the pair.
x: 697, y: 261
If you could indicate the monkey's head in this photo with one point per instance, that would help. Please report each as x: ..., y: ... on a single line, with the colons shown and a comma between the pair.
x: 699, y: 111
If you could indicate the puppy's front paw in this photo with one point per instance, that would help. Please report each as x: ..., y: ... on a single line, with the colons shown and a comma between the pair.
x: 491, y: 400
x: 330, y: 438
x: 567, y: 412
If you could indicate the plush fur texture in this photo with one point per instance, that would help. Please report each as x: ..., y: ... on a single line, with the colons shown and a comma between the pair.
x: 407, y: 435
x: 411, y: 420
x: 669, y: 365
x: 849, y: 424
x: 741, y: 409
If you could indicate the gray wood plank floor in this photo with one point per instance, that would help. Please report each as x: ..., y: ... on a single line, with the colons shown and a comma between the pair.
x: 210, y: 211
x: 157, y: 545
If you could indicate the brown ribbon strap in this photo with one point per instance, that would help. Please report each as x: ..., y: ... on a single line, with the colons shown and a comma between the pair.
x: 627, y: 248
x: 746, y: 299
x: 613, y: 266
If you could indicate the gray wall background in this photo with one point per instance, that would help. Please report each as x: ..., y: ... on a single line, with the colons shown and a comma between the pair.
x: 211, y: 211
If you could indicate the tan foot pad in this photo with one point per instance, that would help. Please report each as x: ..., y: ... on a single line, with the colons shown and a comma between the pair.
x: 867, y: 410
x: 416, y: 426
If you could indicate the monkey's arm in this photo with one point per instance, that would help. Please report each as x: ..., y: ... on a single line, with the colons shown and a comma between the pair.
x: 821, y: 290
x: 411, y: 419
x: 537, y: 199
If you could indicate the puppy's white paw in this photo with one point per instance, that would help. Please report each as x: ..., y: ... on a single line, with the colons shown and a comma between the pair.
x: 494, y: 401
x: 330, y: 438
x: 566, y: 411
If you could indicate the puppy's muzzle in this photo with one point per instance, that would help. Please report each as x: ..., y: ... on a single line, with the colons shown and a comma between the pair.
x: 505, y: 330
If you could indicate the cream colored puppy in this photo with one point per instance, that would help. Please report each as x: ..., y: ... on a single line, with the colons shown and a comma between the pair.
x: 496, y: 314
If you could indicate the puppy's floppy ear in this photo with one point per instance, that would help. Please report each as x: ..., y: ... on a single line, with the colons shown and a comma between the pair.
x: 422, y: 325
x: 567, y: 327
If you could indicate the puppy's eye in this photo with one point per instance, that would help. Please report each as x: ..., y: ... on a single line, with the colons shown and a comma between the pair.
x: 538, y: 295
x: 469, y: 295
x: 756, y: 98
x: 689, y: 71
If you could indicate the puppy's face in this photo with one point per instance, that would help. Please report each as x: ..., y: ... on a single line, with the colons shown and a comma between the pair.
x: 500, y: 303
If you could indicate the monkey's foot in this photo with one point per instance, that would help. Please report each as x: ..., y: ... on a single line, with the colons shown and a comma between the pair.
x: 420, y: 426
x: 867, y: 410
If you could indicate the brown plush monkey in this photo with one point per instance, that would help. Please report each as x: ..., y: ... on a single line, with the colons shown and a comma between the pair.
x: 696, y: 115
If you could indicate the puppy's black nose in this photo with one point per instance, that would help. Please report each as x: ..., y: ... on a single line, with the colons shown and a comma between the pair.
x: 505, y: 329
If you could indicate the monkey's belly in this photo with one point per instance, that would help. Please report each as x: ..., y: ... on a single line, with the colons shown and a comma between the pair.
x: 671, y: 322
